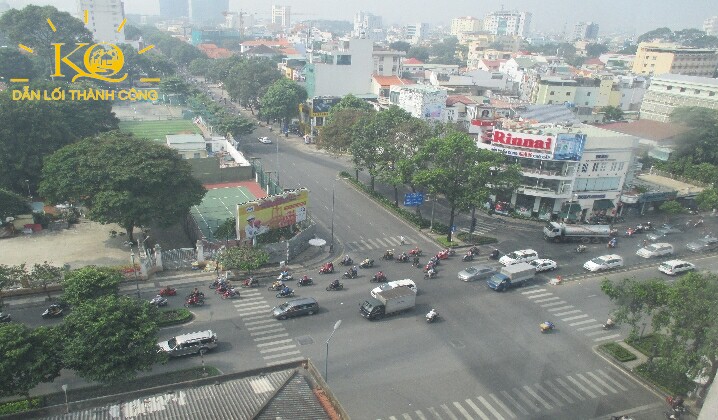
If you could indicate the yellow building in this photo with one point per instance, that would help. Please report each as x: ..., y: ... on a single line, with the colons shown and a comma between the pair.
x: 657, y: 59
x: 465, y: 24
x: 553, y: 90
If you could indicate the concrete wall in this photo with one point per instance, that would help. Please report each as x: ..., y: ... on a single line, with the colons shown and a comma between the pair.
x: 209, y: 172
x: 297, y: 244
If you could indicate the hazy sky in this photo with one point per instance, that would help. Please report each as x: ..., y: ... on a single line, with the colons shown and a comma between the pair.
x: 548, y: 15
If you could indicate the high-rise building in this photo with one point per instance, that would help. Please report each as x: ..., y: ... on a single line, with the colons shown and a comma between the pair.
x: 585, y: 31
x: 506, y: 22
x: 104, y: 17
x: 655, y: 59
x: 465, y: 24
x: 415, y: 32
x: 367, y: 25
x: 173, y: 9
x: 281, y: 15
x: 710, y: 26
x: 207, y: 12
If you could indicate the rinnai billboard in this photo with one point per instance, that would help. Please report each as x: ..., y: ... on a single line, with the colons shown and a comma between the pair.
x: 272, y: 212
x: 532, y: 146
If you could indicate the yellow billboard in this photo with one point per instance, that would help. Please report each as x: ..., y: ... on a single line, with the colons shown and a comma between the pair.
x: 275, y: 211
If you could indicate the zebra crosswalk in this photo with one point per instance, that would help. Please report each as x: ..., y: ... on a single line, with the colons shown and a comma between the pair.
x: 568, y: 314
x: 530, y: 400
x: 269, y: 335
x: 387, y: 242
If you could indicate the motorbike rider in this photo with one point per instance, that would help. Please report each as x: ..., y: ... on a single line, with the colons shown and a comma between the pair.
x: 494, y: 254
x: 346, y: 259
x: 284, y: 274
x: 581, y: 248
x: 431, y: 272
x: 416, y: 260
x: 403, y: 257
x: 304, y: 279
x: 334, y: 284
x: 389, y: 253
x: 286, y: 290
x: 612, y: 243
x: 353, y: 271
x: 379, y: 276
x: 432, y: 314
x: 609, y: 323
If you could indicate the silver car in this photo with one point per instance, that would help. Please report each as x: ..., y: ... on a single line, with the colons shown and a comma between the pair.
x: 663, y: 231
x: 709, y: 243
x: 476, y: 272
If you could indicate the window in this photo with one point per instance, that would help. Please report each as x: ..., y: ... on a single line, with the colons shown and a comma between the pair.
x: 614, y: 166
x: 568, y: 93
x: 588, y: 94
x: 711, y: 94
x: 585, y: 103
x: 552, y: 92
x: 602, y: 166
x: 584, y: 167
x: 595, y: 167
x: 669, y: 87
x: 697, y: 91
x: 620, y: 165
x: 683, y: 89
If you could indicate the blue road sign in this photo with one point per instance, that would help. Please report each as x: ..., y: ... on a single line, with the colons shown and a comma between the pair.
x: 413, y: 199
x: 453, y: 228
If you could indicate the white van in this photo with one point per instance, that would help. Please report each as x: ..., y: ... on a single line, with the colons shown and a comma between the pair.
x: 193, y: 343
x: 393, y: 284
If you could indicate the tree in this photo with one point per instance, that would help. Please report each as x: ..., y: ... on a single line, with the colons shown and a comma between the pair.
x: 245, y: 258
x: 248, y: 80
x: 595, y: 50
x: 661, y: 33
x: 89, y: 283
x: 683, y: 312
x: 175, y: 86
x: 420, y: 53
x: 671, y: 208
x: 200, y: 66
x: 400, y: 46
x: 12, y: 204
x: 30, y: 357
x: 337, y: 133
x: 707, y: 199
x: 282, y: 100
x: 612, y: 113
x: 228, y: 229
x: 464, y: 174
x: 10, y: 275
x: 123, y: 180
x: 43, y: 275
x: 699, y: 142
x: 350, y: 102
x: 236, y: 125
x: 110, y: 338
x: 14, y: 64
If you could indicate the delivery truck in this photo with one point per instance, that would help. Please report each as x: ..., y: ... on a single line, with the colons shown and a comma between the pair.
x: 512, y: 276
x: 388, y: 302
x: 561, y: 232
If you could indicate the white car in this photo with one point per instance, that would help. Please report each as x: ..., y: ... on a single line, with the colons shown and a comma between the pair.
x: 544, y: 265
x: 393, y: 284
x: 604, y: 262
x: 674, y: 267
x: 522, y: 255
x: 265, y: 140
x: 655, y: 250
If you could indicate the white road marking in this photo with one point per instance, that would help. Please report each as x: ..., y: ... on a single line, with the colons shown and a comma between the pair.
x: 491, y: 409
x: 561, y: 308
x: 271, y: 337
x: 449, y: 413
x: 575, y: 311
x: 273, y: 343
x: 580, y: 386
x: 590, y: 327
x: 293, y: 346
x: 476, y: 409
x: 533, y: 291
x: 502, y: 405
x: 465, y: 413
x: 602, y: 382
x: 281, y: 329
x: 609, y: 337
x: 548, y: 305
x: 274, y: 356
x: 615, y: 382
x: 537, y: 397
x: 539, y: 295
x: 581, y: 322
x: 591, y: 384
x: 557, y: 389
x: 546, y: 299
x: 571, y: 318
x: 514, y: 402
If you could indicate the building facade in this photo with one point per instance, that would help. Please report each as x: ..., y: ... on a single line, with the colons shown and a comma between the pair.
x: 414, y: 33
x: 345, y: 69
x: 367, y: 25
x: 585, y: 31
x: 465, y: 24
x: 508, y: 23
x: 658, y: 59
x: 421, y: 101
x: 710, y: 26
x: 281, y: 15
x: 671, y: 91
x: 388, y: 62
x: 104, y: 17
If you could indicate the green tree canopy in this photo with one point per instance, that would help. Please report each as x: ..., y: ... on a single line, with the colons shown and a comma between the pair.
x: 419, y: 52
x: 671, y: 208
x: 29, y: 357
x: 111, y: 338
x: 707, y: 199
x: 683, y: 312
x: 699, y: 142
x: 175, y: 86
x: 337, y: 133
x: 14, y: 64
x: 123, y: 180
x: 228, y: 229
x: 595, y: 50
x: 612, y: 113
x: 350, y: 102
x: 90, y: 282
x: 12, y: 204
x: 248, y: 80
x: 282, y: 100
x: 236, y: 125
x: 245, y: 258
x: 400, y: 46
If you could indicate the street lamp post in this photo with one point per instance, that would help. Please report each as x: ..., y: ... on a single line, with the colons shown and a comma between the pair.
x: 433, y: 203
x: 67, y: 405
x: 277, y: 161
x: 134, y: 270
x: 27, y: 182
x: 326, y: 359
x: 331, y: 244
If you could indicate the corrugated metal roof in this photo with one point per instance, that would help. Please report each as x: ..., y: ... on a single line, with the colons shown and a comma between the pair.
x: 282, y: 394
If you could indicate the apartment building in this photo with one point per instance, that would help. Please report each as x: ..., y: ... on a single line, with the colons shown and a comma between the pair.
x: 465, y: 24
x: 104, y: 17
x: 388, y: 62
x: 421, y: 101
x: 657, y: 59
x: 671, y: 91
x: 585, y: 31
x: 281, y: 15
x: 367, y: 25
x: 414, y: 33
x: 508, y: 23
x: 710, y: 26
x: 340, y: 69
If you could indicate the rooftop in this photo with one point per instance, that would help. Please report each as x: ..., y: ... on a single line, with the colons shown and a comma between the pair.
x: 686, y: 79
x: 647, y: 129
x: 391, y: 80
x: 453, y: 99
x: 184, y: 138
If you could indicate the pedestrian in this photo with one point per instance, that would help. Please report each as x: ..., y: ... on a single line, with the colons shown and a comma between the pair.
x: 645, y: 243
x: 402, y: 240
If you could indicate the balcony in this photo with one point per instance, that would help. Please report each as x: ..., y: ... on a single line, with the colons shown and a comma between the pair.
x: 545, y: 191
x: 549, y: 174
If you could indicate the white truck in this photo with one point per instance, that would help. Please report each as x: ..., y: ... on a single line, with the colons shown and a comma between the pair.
x: 511, y: 276
x: 388, y: 302
x: 561, y: 232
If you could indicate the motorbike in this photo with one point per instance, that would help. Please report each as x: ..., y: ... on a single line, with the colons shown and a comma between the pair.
x: 430, y: 265
x: 347, y: 261
x: 388, y: 255
x: 215, y: 284
x: 198, y: 295
x: 250, y: 282
x: 416, y: 262
x: 5, y: 317
x: 609, y: 325
x: 284, y: 276
x: 415, y: 252
x: 223, y: 287
x: 612, y: 243
x: 378, y: 278
x: 286, y: 292
x: 168, y: 291
x: 546, y: 326
x: 676, y: 404
x: 277, y: 285
x: 194, y: 301
x: 494, y: 254
x: 474, y: 250
x: 158, y: 301
x: 430, y: 274
x: 53, y: 311
x: 367, y: 263
x: 442, y: 255
x: 581, y: 249
x: 327, y: 268
x: 335, y: 286
x: 350, y: 275
x: 305, y: 282
x: 432, y: 316
x: 230, y: 293
x: 450, y: 251
x: 402, y: 258
x: 468, y: 257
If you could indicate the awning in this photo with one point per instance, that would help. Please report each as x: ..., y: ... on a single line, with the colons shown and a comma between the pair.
x: 603, y: 204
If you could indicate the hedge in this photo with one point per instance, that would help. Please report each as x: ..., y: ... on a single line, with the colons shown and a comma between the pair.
x: 19, y: 406
x: 646, y: 344
x: 476, y: 239
x: 661, y: 375
x: 174, y: 317
x: 618, y: 352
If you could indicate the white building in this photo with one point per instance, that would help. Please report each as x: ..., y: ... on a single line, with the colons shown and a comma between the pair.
x: 710, y: 26
x: 508, y: 23
x: 388, y: 62
x: 367, y: 25
x: 344, y: 69
x: 416, y: 32
x: 670, y: 91
x: 585, y: 31
x: 104, y: 17
x: 567, y: 172
x: 281, y: 15
x: 465, y: 24
x: 421, y: 101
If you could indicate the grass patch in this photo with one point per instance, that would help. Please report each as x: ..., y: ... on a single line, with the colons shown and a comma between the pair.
x: 158, y: 129
x: 618, y: 352
x: 660, y: 373
x: 446, y: 243
x: 174, y: 317
x: 648, y: 344
x: 19, y: 406
x: 475, y: 239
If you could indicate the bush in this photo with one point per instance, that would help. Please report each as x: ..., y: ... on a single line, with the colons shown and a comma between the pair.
x: 19, y: 406
x: 618, y: 352
x: 646, y: 345
x: 662, y: 374
x: 174, y: 317
x: 446, y: 243
x: 476, y: 239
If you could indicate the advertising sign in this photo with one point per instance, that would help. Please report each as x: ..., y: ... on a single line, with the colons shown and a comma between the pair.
x: 275, y: 211
x: 569, y: 146
x: 321, y: 106
x: 413, y: 199
x: 532, y: 146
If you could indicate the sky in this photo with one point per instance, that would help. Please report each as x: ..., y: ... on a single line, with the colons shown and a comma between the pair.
x: 637, y: 16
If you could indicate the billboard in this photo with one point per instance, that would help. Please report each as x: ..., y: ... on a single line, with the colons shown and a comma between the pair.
x: 322, y: 105
x: 525, y: 145
x: 272, y: 212
x: 569, y: 146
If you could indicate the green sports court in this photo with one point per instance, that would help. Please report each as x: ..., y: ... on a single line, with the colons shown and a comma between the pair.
x: 220, y: 204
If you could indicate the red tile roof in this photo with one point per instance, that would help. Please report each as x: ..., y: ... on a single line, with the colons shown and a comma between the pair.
x: 412, y: 60
x: 391, y: 80
x: 593, y: 62
x: 453, y: 99
x: 651, y: 130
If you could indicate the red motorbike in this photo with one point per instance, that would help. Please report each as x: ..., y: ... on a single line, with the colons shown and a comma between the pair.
x: 230, y: 293
x: 416, y: 252
x: 167, y: 291
x: 222, y: 288
x: 443, y: 255
x: 250, y: 282
x: 194, y: 301
x: 327, y: 268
